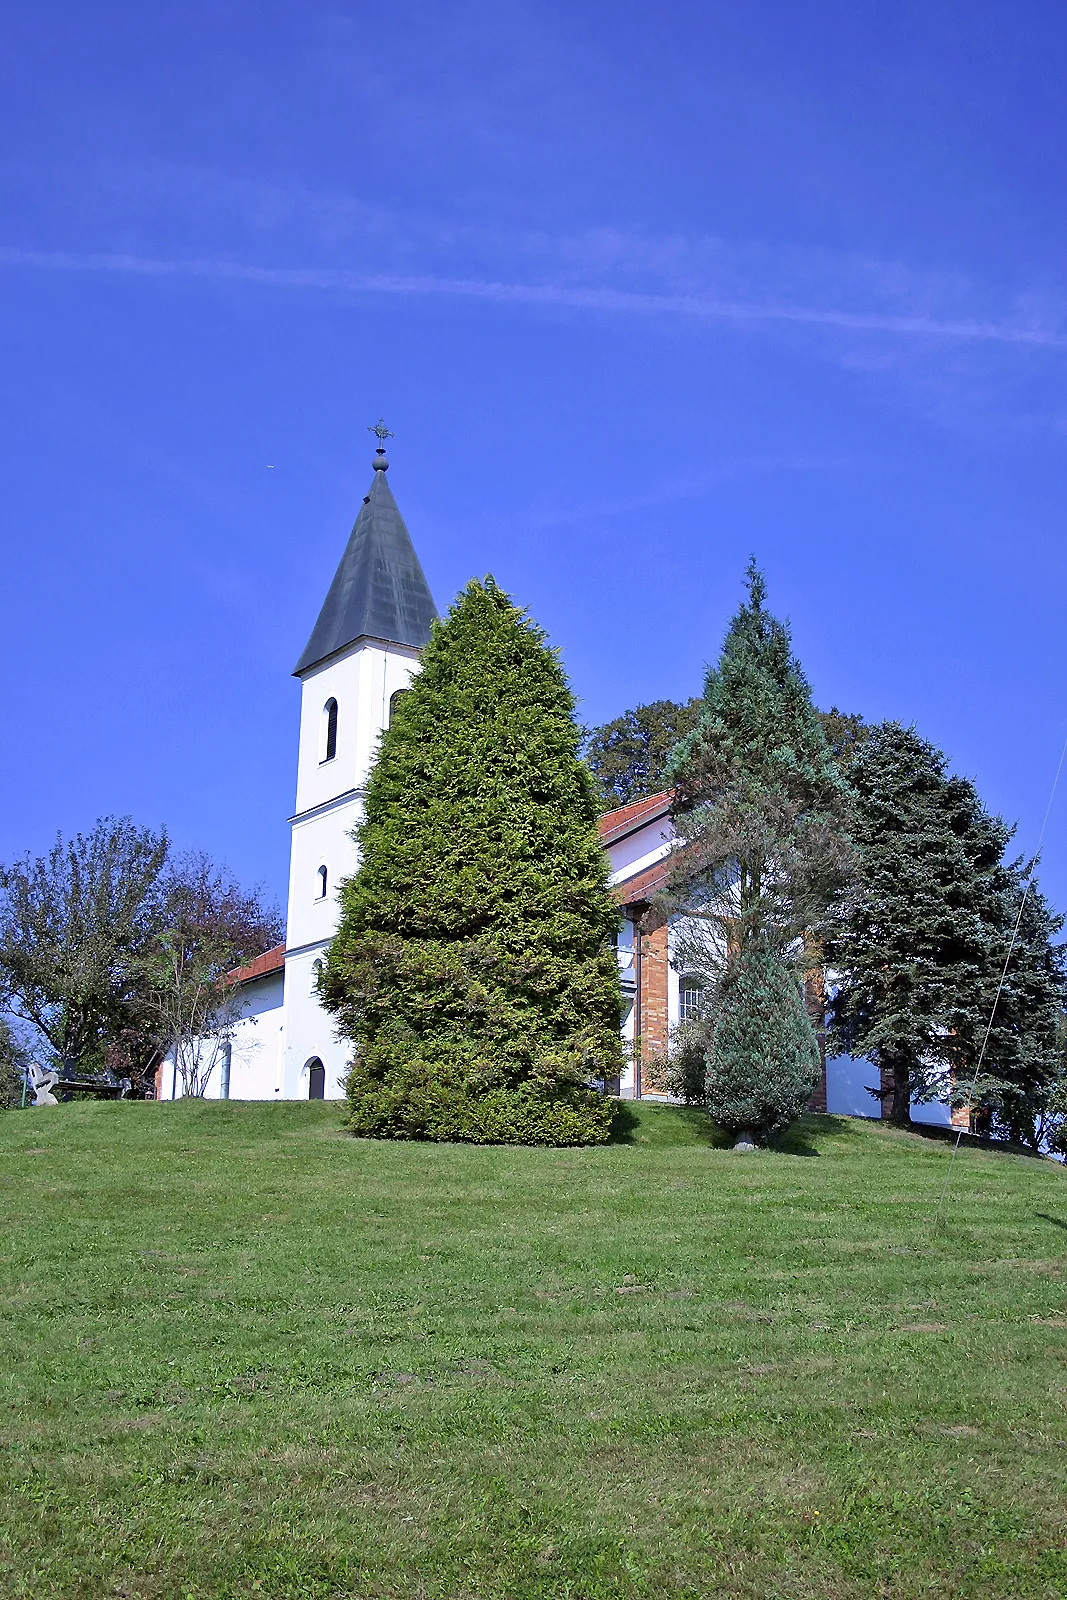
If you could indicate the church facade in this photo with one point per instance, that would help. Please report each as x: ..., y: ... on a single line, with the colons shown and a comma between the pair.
x: 362, y: 654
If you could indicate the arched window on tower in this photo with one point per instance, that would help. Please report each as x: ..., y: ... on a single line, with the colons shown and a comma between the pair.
x: 394, y: 700
x: 316, y: 972
x: 329, y: 730
x: 323, y: 877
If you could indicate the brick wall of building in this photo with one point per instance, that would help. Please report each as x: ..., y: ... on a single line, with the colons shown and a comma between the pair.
x: 655, y: 1019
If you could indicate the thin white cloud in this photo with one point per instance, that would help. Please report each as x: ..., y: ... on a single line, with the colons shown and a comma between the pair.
x: 593, y: 298
x: 692, y: 485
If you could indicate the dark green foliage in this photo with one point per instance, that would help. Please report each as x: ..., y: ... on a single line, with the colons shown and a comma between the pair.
x: 472, y: 968
x: 74, y: 926
x: 14, y: 1064
x: 1049, y: 1108
x: 922, y: 940
x: 1023, y: 1065
x: 845, y: 733
x: 759, y: 807
x: 687, y: 1065
x: 628, y: 757
x: 764, y: 1060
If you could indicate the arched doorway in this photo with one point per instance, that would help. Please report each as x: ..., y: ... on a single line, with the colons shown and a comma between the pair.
x: 316, y: 1079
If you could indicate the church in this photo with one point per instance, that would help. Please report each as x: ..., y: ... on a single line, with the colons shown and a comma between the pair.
x: 361, y: 656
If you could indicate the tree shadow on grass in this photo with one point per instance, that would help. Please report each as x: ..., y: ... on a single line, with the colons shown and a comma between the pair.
x: 642, y: 1123
x: 1056, y: 1222
x: 651, y: 1123
x: 939, y: 1134
x: 799, y: 1138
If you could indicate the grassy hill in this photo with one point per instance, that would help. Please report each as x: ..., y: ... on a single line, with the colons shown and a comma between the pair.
x: 247, y: 1355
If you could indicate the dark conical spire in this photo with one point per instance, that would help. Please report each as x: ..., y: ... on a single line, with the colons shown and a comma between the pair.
x: 379, y: 590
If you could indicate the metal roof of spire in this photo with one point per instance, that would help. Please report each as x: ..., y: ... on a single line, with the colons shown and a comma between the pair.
x: 379, y: 590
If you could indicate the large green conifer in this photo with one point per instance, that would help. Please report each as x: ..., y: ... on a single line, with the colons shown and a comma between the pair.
x: 473, y: 968
x: 759, y: 808
x: 1023, y: 1062
x: 922, y: 940
x: 761, y: 853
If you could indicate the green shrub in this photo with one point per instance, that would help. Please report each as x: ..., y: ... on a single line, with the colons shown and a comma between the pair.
x: 472, y: 968
x: 14, y: 1065
x: 764, y: 1061
x: 687, y: 1066
x: 423, y: 1100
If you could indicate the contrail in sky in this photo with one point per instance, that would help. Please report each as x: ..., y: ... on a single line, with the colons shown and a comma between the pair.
x: 623, y: 301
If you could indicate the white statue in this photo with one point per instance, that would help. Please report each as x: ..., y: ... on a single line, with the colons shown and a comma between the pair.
x: 43, y: 1080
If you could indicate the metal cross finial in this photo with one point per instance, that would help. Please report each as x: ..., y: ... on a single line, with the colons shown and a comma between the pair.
x: 382, y: 432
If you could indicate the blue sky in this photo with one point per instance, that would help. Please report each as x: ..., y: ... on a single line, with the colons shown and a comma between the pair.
x: 640, y: 289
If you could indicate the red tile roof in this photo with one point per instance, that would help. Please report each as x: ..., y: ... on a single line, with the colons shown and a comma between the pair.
x: 262, y: 966
x: 615, y: 825
x: 643, y: 885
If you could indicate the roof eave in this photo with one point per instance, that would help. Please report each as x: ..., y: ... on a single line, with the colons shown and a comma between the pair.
x: 302, y: 668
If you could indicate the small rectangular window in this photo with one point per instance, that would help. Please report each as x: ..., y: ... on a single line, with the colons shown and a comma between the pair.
x: 690, y: 999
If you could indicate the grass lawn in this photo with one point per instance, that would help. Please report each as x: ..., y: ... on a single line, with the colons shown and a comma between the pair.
x: 245, y: 1354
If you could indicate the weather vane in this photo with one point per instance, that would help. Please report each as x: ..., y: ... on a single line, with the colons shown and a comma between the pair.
x: 381, y: 432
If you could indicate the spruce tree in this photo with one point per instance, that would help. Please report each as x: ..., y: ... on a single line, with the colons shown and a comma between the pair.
x: 1022, y: 1063
x: 921, y: 941
x: 759, y: 808
x: 764, y: 1060
x: 473, y: 967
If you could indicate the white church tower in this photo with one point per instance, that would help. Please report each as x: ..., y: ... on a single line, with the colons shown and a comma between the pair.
x: 363, y: 652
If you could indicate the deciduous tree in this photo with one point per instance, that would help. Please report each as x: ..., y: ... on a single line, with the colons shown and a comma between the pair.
x: 74, y: 927
x: 208, y: 925
x: 628, y: 756
x: 14, y: 1065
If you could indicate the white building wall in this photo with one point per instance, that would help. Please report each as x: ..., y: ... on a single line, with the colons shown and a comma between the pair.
x: 309, y: 1031
x: 640, y: 849
x: 847, y: 1082
x: 627, y: 976
x: 255, y: 1048
x: 329, y: 805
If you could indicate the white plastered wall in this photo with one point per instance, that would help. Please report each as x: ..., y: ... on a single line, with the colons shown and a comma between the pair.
x: 255, y: 1048
x: 329, y: 804
x: 640, y: 849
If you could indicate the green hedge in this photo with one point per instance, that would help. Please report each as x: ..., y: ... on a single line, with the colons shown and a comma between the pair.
x: 426, y: 1102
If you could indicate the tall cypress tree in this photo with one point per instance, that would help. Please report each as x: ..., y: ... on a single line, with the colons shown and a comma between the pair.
x: 921, y: 941
x: 473, y: 969
x: 760, y: 807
